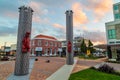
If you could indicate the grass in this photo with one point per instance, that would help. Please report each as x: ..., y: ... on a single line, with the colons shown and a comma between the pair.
x: 91, y: 74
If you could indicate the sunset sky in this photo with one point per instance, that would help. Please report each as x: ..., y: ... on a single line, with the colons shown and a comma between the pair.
x: 49, y: 18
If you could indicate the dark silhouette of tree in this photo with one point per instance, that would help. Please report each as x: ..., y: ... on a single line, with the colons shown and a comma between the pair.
x: 90, y: 46
x: 83, y: 47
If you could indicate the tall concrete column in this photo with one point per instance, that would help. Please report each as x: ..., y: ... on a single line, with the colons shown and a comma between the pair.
x: 25, y: 23
x: 69, y: 37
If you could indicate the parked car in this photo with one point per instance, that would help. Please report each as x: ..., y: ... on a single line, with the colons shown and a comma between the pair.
x: 99, y: 54
x: 5, y: 58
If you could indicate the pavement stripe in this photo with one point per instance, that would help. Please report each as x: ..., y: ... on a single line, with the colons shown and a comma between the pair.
x: 63, y: 73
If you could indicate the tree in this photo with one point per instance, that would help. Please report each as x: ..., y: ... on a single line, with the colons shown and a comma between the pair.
x: 83, y: 47
x: 90, y: 46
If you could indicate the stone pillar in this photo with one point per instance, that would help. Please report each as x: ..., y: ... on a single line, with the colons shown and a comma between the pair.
x: 69, y: 37
x: 22, y: 58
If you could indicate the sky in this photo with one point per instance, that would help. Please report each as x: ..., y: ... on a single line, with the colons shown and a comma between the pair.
x: 89, y: 18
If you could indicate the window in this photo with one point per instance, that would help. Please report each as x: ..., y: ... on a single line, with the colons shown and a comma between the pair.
x: 117, y: 16
x: 39, y: 42
x: 51, y: 43
x: 55, y: 44
x: 46, y: 43
x: 115, y: 7
x: 59, y: 45
x: 111, y: 34
x: 111, y: 42
x: 33, y: 43
x: 117, y: 41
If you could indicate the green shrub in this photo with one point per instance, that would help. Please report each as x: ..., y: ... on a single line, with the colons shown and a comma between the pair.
x: 106, y: 68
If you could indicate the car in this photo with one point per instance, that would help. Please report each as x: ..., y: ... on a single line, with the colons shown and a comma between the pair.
x: 5, y: 58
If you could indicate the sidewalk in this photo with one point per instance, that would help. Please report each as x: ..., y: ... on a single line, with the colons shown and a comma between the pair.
x: 26, y: 77
x: 63, y: 73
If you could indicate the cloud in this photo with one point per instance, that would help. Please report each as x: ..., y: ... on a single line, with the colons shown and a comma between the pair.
x: 11, y: 14
x: 35, y: 6
x: 54, y: 3
x: 58, y: 26
x: 6, y: 31
x: 59, y: 31
x: 99, y: 7
x: 38, y: 19
x: 39, y: 12
x: 79, y: 16
x: 95, y: 36
x: 38, y: 8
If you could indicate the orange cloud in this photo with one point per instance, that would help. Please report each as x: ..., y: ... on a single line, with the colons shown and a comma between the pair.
x: 98, y: 43
x: 79, y: 17
x: 102, y: 8
x: 99, y: 7
x: 97, y: 37
x: 58, y: 26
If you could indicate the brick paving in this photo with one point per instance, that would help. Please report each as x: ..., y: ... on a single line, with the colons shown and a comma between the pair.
x: 6, y: 69
x: 42, y: 70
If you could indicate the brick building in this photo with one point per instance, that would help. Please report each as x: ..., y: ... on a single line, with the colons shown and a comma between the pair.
x: 43, y: 45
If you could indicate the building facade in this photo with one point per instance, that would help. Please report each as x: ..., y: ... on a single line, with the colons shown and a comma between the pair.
x: 13, y: 49
x: 5, y: 50
x: 113, y: 30
x: 76, y: 44
x: 43, y: 45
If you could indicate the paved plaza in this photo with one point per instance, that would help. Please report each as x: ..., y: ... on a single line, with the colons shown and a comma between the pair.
x: 42, y: 70
x: 6, y: 68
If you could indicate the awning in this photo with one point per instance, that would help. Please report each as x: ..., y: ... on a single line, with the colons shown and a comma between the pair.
x: 38, y: 49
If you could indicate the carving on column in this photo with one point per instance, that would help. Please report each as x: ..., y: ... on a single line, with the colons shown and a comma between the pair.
x: 69, y: 46
x: 26, y: 43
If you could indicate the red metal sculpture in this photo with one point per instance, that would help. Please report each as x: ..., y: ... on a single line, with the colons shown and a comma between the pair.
x: 69, y: 46
x: 26, y: 43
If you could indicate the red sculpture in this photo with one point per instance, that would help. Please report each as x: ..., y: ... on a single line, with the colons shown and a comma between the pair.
x: 26, y: 43
x: 69, y: 46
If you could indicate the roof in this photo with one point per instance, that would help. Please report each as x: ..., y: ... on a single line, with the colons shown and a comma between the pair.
x: 44, y: 37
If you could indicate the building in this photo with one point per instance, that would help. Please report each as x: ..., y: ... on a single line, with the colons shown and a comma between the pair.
x: 113, y: 30
x: 43, y: 45
x: 76, y: 44
x: 5, y: 50
x: 13, y: 48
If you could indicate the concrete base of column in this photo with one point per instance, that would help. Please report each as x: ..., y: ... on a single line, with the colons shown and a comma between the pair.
x: 70, y: 59
x: 23, y: 65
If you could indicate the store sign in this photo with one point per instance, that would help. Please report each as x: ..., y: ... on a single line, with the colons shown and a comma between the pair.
x: 60, y: 49
x: 38, y: 49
